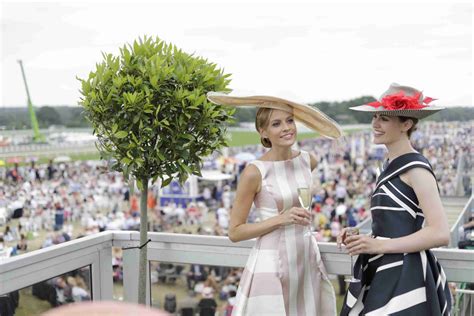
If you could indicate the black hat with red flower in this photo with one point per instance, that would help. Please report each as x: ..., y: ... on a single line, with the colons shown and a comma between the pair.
x: 401, y: 101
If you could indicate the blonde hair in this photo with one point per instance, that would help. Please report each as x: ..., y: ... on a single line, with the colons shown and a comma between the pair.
x: 71, y: 281
x: 261, y: 122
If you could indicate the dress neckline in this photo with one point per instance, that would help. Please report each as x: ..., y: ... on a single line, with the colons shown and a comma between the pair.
x: 298, y: 155
x: 388, y: 162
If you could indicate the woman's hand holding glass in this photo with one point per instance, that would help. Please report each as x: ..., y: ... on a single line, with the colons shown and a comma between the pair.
x: 344, y: 238
x: 296, y: 215
x: 358, y: 244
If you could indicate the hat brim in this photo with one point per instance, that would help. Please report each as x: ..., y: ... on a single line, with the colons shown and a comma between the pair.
x: 309, y: 116
x: 419, y: 114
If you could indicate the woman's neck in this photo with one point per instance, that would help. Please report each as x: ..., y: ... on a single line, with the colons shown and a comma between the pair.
x: 281, y: 153
x: 398, y: 148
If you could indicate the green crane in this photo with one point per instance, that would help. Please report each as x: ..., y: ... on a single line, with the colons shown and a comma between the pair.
x: 37, y: 136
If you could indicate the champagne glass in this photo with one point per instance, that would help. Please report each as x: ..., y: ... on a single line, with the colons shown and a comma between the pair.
x: 352, y: 231
x: 304, y: 196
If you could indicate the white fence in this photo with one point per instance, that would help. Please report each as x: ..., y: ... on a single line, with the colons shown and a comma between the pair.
x: 38, y: 150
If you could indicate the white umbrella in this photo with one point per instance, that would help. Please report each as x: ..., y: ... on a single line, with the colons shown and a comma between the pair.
x: 30, y: 159
x: 62, y: 159
x: 245, y: 156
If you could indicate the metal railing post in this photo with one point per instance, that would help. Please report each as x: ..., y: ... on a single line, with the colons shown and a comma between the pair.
x: 130, y: 275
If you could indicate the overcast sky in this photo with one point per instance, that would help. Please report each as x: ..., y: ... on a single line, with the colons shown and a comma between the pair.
x: 307, y: 52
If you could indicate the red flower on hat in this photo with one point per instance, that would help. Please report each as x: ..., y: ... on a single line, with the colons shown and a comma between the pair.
x: 400, y: 101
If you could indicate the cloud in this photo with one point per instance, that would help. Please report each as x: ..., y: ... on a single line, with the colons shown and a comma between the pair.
x: 261, y: 37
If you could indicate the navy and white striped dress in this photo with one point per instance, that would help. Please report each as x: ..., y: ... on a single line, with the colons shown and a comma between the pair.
x: 404, y: 283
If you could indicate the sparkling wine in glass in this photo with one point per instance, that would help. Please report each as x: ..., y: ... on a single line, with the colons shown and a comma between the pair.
x: 352, y: 231
x: 304, y: 196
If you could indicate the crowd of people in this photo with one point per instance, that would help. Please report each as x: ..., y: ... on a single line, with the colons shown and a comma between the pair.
x: 69, y: 200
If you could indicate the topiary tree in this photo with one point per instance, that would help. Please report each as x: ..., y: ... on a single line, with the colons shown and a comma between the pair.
x: 149, y: 110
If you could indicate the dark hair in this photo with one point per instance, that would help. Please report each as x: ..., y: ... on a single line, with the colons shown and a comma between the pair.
x: 413, y: 128
x: 261, y: 122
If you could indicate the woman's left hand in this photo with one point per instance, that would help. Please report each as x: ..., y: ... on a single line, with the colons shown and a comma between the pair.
x: 358, y: 244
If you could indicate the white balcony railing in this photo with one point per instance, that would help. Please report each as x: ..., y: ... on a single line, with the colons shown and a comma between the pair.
x: 96, y: 251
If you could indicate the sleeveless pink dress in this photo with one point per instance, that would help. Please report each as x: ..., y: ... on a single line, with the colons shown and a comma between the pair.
x: 284, y: 274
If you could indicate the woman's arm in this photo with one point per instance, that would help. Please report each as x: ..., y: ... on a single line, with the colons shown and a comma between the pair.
x: 435, y: 233
x: 248, y: 187
x: 469, y: 224
x: 314, y: 161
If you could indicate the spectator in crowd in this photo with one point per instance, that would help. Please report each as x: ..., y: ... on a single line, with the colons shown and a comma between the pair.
x: 188, y: 305
x: 222, y: 216
x: 229, y: 307
x: 78, y: 289
x: 196, y: 274
x: 22, y: 244
x: 63, y: 291
x: 207, y: 305
x: 467, y: 235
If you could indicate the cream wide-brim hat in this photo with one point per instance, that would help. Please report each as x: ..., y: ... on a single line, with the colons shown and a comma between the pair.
x: 309, y: 116
x: 409, y: 91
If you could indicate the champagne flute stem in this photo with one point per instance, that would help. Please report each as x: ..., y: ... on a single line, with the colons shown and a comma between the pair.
x: 352, y: 269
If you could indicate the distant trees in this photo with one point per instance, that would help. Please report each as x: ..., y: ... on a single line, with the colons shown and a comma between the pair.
x: 47, y: 116
x: 340, y: 112
x: 12, y: 118
x: 71, y: 116
x: 246, y: 114
x: 454, y: 114
x: 18, y: 118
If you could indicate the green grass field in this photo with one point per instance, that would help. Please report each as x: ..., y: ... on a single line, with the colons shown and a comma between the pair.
x: 241, y: 138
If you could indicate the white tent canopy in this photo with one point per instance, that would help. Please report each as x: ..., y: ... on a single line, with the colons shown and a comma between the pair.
x: 245, y: 156
x: 215, y: 175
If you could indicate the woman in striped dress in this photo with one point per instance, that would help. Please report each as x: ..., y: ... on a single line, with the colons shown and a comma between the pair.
x: 284, y: 274
x: 398, y: 273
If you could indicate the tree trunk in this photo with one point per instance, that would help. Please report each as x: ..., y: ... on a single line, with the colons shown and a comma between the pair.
x: 131, y: 189
x: 142, y: 273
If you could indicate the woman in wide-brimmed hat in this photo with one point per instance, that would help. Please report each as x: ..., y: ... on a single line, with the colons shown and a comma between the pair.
x: 397, y: 272
x: 284, y: 274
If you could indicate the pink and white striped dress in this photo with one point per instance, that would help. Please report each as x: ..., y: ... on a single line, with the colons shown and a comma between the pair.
x: 284, y: 274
